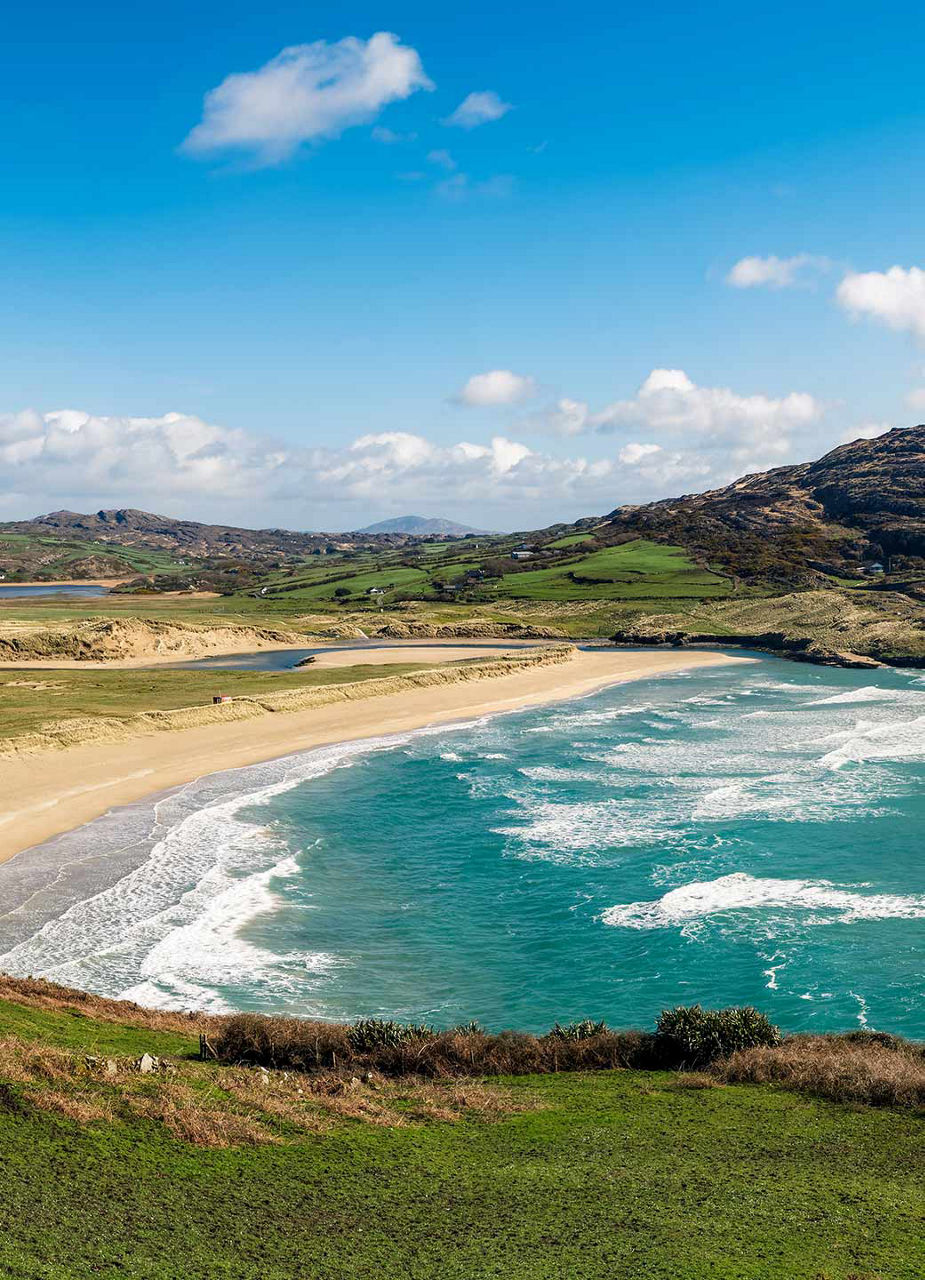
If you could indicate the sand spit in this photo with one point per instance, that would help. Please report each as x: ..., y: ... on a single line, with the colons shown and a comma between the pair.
x: 57, y: 735
x: 43, y: 795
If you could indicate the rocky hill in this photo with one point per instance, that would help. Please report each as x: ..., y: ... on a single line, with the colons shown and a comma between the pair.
x: 862, y: 502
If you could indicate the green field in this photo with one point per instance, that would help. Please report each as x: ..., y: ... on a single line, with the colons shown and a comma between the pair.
x: 571, y: 540
x: 637, y: 570
x: 618, y: 1175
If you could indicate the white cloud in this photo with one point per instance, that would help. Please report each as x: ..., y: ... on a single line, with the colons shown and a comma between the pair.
x: 478, y: 108
x: 632, y: 454
x: 497, y: 387
x: 916, y: 399
x: 895, y: 297
x: 866, y: 431
x: 306, y: 93
x: 775, y: 273
x: 440, y: 156
x: 741, y: 431
x: 180, y: 464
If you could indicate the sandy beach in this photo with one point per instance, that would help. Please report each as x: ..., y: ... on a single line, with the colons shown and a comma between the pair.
x: 42, y: 796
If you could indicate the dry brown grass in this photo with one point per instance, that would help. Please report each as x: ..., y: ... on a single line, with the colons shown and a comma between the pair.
x: 876, y: 1071
x: 215, y: 1106
x: 301, y: 1045
x: 37, y: 993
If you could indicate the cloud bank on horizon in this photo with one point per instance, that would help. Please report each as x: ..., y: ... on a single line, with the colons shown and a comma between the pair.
x: 671, y: 437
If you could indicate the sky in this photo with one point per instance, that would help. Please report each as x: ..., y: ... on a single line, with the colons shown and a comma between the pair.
x: 315, y: 266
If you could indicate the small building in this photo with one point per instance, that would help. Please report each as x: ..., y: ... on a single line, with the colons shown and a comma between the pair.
x: 521, y: 555
x: 376, y: 591
x: 221, y: 697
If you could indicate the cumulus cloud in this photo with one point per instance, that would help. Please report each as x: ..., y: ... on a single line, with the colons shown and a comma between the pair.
x: 497, y: 387
x: 775, y: 273
x: 895, y: 297
x: 748, y: 430
x: 307, y: 93
x: 478, y: 108
x: 634, y: 453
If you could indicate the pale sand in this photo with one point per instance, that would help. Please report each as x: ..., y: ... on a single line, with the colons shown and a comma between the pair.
x: 409, y: 651
x: 435, y: 651
x: 42, y: 796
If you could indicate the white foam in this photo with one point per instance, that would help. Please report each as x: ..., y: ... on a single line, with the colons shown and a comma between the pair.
x: 871, y: 741
x: 870, y: 693
x: 741, y: 892
x: 213, y: 864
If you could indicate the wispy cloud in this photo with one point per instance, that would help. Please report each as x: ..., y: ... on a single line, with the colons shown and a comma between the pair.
x: 478, y: 108
x: 307, y: 93
x: 441, y: 157
x: 777, y: 273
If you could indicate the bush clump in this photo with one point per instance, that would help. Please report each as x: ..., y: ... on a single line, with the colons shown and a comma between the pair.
x: 400, y: 1049
x: 697, y: 1037
x: 582, y: 1030
x: 378, y: 1033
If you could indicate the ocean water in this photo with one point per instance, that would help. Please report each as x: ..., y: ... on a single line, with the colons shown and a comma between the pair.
x: 750, y: 834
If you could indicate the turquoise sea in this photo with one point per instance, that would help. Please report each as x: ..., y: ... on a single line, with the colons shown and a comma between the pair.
x: 747, y: 834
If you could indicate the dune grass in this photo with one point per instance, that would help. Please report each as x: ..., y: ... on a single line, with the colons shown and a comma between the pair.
x: 30, y: 698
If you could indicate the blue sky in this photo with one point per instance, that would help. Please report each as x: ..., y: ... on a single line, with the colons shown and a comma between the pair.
x: 339, y: 300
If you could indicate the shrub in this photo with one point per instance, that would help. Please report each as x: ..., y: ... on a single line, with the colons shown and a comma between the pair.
x: 582, y: 1030
x: 378, y: 1033
x: 696, y: 1037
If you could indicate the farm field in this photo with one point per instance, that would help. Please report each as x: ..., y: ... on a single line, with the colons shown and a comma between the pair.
x: 634, y: 570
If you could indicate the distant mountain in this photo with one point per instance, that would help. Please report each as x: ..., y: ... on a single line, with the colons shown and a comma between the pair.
x: 419, y: 526
x: 128, y: 527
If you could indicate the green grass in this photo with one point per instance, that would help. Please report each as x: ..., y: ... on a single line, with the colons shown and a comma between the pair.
x: 26, y: 551
x: 638, y: 570
x: 29, y: 697
x: 620, y: 1175
x: 571, y: 540
x: 623, y: 1175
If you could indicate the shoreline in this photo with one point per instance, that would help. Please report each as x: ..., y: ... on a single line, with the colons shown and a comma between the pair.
x: 44, y: 796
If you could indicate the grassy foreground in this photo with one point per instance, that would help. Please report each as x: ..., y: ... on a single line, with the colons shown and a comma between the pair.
x: 608, y: 1174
